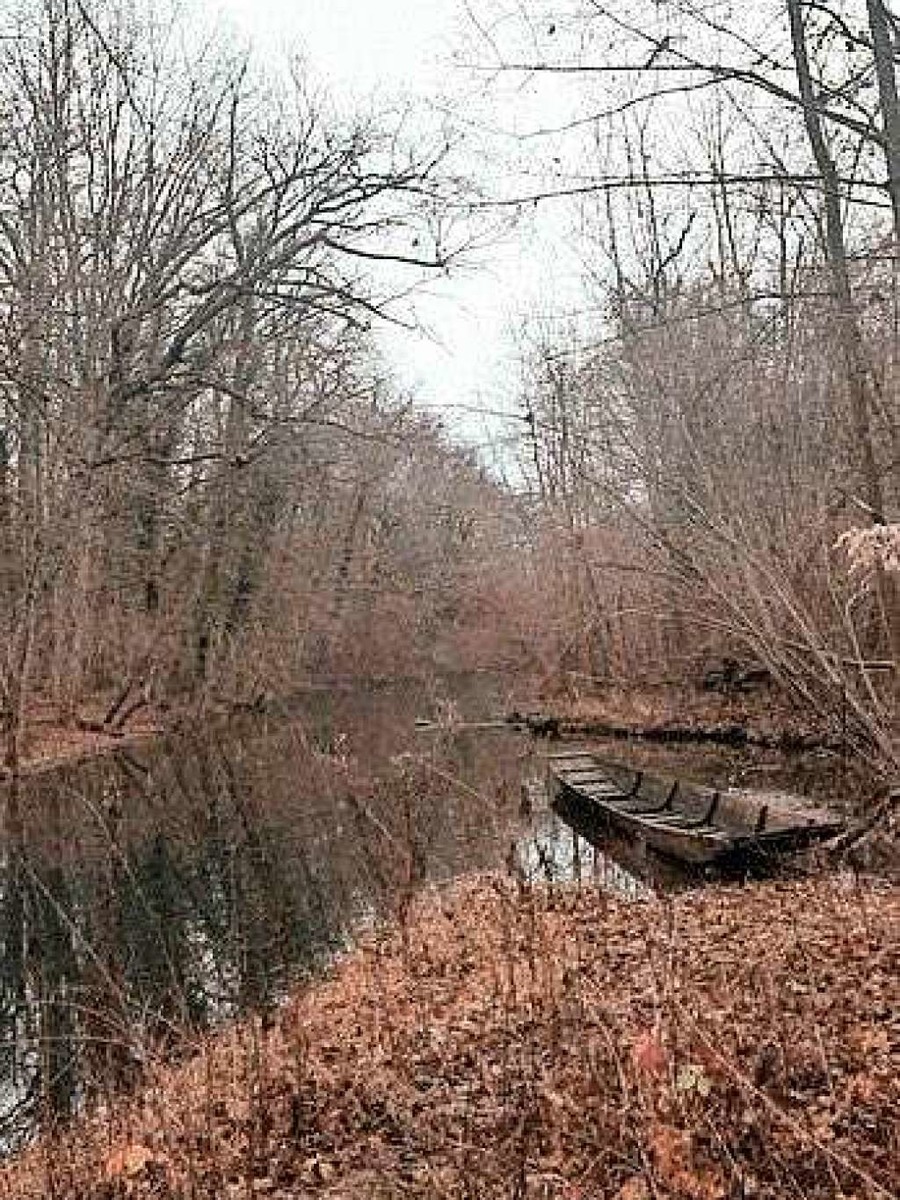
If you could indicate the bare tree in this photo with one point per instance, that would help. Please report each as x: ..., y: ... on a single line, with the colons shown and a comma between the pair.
x: 179, y: 240
x: 749, y: 390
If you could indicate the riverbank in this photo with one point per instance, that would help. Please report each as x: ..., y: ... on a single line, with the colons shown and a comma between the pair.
x: 497, y: 1040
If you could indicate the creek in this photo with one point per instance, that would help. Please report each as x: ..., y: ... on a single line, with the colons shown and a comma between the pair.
x: 170, y: 883
x: 157, y: 889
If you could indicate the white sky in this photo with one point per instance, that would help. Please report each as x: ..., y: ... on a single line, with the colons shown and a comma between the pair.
x: 389, y: 49
x: 357, y: 45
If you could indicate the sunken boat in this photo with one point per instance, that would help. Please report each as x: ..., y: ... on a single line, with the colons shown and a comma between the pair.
x: 684, y: 821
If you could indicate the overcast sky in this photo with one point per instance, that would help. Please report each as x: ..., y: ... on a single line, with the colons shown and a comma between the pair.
x: 388, y: 49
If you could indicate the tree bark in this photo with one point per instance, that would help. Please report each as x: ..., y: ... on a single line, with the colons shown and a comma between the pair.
x: 890, y: 106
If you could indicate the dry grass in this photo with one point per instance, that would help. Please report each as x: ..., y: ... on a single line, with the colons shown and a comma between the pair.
x: 517, y: 1042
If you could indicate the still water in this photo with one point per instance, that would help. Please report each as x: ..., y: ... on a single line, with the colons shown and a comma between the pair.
x: 173, y: 883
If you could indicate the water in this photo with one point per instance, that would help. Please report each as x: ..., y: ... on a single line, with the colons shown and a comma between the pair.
x: 149, y: 893
x: 552, y: 852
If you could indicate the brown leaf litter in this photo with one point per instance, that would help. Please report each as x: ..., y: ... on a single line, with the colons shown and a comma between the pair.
x: 735, y: 1042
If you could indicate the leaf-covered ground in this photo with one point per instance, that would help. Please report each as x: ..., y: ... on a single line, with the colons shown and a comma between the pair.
x: 545, y: 1042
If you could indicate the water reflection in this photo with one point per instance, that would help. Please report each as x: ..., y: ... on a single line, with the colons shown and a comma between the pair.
x: 165, y: 886
x: 552, y: 852
x: 149, y: 893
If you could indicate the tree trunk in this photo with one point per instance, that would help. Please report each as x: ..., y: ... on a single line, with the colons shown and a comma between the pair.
x: 859, y: 378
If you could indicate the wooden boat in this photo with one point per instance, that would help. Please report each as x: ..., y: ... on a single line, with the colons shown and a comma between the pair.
x: 680, y: 820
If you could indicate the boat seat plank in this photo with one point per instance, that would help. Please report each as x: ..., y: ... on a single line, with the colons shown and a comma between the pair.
x: 601, y: 790
x: 677, y: 821
x: 581, y: 778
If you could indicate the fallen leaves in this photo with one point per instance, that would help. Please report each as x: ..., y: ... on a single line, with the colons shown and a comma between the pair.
x: 635, y: 1188
x: 126, y: 1162
x: 128, y: 1167
x: 648, y: 1054
x: 555, y: 1044
x: 676, y: 1168
x: 692, y: 1079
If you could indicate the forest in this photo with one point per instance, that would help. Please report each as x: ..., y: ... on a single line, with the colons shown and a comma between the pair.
x: 211, y: 487
x: 240, y: 560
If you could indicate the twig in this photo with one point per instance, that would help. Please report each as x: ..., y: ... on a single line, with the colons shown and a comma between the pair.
x: 884, y: 810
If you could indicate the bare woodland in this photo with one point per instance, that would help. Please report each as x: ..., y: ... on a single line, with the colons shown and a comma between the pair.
x: 205, y: 472
x: 216, y: 502
x: 210, y: 487
x: 717, y: 465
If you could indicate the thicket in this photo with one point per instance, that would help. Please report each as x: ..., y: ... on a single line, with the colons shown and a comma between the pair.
x: 714, y: 445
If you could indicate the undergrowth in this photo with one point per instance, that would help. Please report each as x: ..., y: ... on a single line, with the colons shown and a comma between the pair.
x: 500, y: 1039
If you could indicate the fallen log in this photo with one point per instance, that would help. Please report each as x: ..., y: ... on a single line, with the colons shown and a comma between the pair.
x: 731, y: 734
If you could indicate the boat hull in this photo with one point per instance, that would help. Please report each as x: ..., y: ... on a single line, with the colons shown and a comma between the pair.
x: 686, y: 822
